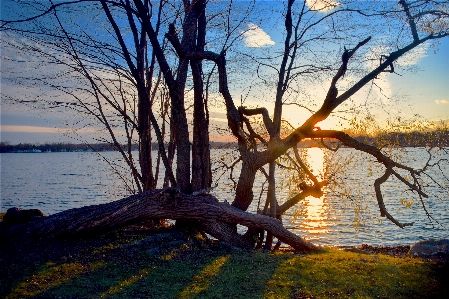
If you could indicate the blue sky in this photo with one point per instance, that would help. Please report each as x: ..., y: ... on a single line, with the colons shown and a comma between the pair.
x: 420, y: 87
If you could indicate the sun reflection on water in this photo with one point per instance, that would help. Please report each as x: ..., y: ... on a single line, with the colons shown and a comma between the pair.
x: 314, y: 212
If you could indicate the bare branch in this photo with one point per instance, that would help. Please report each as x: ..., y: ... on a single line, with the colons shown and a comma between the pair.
x: 305, y: 168
x: 308, y: 191
x: 414, y: 187
x: 266, y: 118
x: 380, y: 201
x: 354, y: 143
x: 410, y: 19
x: 329, y: 147
x: 333, y: 91
x: 234, y: 121
x: 46, y: 12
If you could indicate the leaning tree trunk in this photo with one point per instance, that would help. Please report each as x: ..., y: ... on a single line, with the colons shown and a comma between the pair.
x: 168, y: 203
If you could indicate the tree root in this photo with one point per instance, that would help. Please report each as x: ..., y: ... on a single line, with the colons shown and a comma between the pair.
x: 218, y: 219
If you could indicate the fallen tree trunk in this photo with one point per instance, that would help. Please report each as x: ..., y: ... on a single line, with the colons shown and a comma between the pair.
x: 163, y: 204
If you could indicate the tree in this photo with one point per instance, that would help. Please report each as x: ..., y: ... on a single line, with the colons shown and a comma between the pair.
x: 171, y: 37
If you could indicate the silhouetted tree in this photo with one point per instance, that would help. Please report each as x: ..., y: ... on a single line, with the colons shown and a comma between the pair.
x: 171, y: 36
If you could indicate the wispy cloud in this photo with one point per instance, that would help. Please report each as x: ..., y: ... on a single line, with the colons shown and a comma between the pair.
x: 384, y: 88
x: 30, y: 129
x: 372, y: 60
x: 322, y: 5
x: 40, y: 129
x: 442, y: 102
x: 414, y: 56
x: 255, y: 37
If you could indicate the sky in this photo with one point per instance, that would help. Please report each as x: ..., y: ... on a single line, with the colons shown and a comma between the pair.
x: 421, y: 86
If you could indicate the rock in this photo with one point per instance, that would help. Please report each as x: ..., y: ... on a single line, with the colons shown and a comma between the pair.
x: 430, y: 248
x: 16, y: 216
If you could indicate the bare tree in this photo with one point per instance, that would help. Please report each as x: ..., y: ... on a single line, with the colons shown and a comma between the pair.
x: 414, y: 23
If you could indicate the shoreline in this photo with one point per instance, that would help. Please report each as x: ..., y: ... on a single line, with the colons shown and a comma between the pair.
x: 400, y: 250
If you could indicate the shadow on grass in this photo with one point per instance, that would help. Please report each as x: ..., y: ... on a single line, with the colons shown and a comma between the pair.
x: 180, y: 273
x: 123, y: 267
x: 32, y: 268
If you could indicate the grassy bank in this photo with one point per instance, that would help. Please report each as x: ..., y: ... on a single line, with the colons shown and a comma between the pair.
x: 135, y: 263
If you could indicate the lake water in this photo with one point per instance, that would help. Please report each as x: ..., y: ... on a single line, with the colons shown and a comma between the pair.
x: 347, y: 215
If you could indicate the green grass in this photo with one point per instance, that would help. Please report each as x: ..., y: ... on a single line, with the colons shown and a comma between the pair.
x: 106, y: 267
x: 337, y: 274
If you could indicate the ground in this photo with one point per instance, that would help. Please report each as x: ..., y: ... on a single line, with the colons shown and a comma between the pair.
x: 142, y: 262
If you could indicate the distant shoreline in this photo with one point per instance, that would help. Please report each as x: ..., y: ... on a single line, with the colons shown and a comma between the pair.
x: 395, y: 139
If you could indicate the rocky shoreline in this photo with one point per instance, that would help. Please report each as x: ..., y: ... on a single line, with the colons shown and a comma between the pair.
x: 428, y: 249
x: 436, y: 249
x: 399, y: 250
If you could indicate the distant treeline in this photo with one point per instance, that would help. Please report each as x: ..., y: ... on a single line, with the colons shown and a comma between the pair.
x: 393, y: 139
x: 438, y: 138
x: 414, y: 139
x: 7, y: 147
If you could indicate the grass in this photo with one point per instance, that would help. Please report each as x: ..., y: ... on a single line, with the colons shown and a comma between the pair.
x: 117, y: 265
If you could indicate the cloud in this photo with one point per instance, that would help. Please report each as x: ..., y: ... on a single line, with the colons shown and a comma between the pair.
x: 382, y: 82
x: 255, y: 37
x: 29, y: 129
x: 442, y: 102
x: 40, y: 129
x: 382, y: 88
x: 414, y: 56
x: 322, y: 5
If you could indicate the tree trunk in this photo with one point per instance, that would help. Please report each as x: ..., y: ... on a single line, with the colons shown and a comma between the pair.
x: 168, y: 203
x: 201, y: 170
x: 244, y: 192
x: 271, y: 199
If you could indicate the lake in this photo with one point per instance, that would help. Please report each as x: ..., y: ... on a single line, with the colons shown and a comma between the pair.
x: 343, y: 216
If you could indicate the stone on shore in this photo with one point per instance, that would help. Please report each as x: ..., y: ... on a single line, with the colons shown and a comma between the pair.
x: 17, y: 216
x: 430, y: 248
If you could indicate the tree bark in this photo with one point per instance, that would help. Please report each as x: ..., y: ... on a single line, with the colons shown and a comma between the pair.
x: 201, y: 168
x: 168, y: 203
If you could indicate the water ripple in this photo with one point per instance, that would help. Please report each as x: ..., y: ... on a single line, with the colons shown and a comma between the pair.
x: 59, y: 181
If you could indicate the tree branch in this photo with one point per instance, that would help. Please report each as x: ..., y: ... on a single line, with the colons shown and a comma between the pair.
x: 389, y: 164
x: 308, y: 191
x: 380, y: 201
x: 142, y: 91
x: 304, y: 167
x: 234, y: 121
x: 333, y: 91
x: 411, y: 20
x: 266, y: 118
